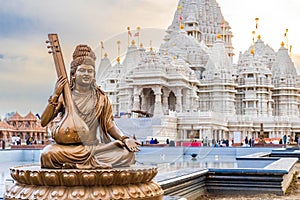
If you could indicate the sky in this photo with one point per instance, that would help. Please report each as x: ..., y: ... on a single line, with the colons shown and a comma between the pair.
x: 27, y: 72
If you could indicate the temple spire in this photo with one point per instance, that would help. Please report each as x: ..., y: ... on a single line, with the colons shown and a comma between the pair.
x: 286, y: 38
x: 118, y: 58
x: 102, y: 48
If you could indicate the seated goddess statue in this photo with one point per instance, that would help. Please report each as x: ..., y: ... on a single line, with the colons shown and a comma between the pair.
x: 92, y: 105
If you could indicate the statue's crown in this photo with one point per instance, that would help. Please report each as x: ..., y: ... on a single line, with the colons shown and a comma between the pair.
x: 83, y: 54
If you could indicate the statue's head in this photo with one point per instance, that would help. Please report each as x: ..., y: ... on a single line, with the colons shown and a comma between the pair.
x: 83, y: 56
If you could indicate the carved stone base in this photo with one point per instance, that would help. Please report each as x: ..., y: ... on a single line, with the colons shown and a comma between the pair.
x: 135, y: 182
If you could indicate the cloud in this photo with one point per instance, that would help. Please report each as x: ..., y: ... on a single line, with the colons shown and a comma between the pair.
x: 13, y: 23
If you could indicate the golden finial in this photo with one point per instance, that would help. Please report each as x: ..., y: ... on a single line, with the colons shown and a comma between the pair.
x: 282, y: 44
x: 174, y: 57
x: 102, y: 48
x: 166, y: 53
x: 151, y: 45
x: 252, y: 51
x: 181, y: 26
x: 286, y: 38
x: 219, y: 36
x: 105, y: 55
x: 258, y: 37
x: 128, y: 28
x: 179, y: 7
x: 141, y: 45
x: 138, y: 28
x: 118, y: 58
x: 132, y: 42
x: 174, y: 44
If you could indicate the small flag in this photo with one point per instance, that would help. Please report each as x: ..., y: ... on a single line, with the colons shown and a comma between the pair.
x: 180, y: 17
x: 256, y: 26
x: 136, y: 34
x: 129, y: 32
x: 102, y: 45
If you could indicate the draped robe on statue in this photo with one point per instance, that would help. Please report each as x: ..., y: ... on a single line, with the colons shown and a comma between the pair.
x: 95, y: 109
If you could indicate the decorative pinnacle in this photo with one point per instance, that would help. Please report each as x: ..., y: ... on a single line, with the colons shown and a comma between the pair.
x: 181, y: 26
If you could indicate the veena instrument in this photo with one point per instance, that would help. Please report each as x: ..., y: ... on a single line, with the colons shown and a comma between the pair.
x: 71, y: 129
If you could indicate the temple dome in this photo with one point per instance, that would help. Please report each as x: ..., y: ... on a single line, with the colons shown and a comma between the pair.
x: 284, y: 68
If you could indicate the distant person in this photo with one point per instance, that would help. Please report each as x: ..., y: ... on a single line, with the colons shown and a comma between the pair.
x: 167, y: 141
x: 156, y: 141
x: 151, y: 141
x: 284, y: 139
x: 172, y: 143
x: 246, y: 140
x: 288, y: 139
x: 250, y: 142
x: 213, y: 141
x: 206, y: 141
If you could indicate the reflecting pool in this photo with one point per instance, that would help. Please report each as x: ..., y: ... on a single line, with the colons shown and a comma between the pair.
x: 165, y: 158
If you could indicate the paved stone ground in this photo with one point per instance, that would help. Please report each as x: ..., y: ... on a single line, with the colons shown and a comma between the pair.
x: 293, y: 193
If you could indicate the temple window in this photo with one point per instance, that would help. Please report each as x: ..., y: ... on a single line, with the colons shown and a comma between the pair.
x: 250, y: 104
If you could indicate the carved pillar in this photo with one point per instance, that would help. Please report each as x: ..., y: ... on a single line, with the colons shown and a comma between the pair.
x: 4, y: 136
x: 144, y: 102
x: 178, y: 95
x: 129, y: 105
x: 157, y: 105
x: 165, y: 102
x: 136, y: 99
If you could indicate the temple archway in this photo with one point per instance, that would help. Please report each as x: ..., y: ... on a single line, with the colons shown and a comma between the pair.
x: 172, y: 101
x: 149, y: 97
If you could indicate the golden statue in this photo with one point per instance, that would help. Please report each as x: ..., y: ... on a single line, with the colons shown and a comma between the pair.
x: 81, y: 165
x: 85, y: 111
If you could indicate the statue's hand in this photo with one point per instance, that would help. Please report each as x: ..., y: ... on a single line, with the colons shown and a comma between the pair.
x: 59, y: 86
x: 132, y: 145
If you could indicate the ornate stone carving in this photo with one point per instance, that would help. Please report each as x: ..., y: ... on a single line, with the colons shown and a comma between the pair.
x: 134, y: 182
